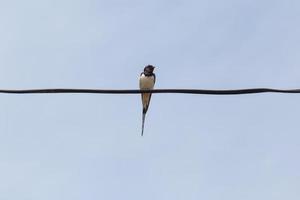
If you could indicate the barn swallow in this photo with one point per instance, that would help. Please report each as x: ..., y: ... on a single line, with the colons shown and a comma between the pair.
x: 147, y: 81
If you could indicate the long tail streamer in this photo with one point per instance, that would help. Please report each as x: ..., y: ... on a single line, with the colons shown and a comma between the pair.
x: 143, y: 123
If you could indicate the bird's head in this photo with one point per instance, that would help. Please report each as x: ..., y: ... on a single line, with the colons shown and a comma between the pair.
x: 149, y: 69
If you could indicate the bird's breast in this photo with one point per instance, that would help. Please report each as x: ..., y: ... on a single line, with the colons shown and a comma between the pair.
x: 146, y: 82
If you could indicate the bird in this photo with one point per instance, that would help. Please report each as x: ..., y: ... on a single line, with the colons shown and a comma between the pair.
x: 147, y: 80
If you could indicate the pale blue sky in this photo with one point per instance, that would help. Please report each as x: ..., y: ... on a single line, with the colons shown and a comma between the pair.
x: 83, y: 146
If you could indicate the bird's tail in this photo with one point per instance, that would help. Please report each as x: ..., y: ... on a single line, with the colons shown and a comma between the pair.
x: 143, y: 120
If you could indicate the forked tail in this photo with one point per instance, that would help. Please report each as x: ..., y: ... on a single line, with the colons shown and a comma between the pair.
x: 143, y: 121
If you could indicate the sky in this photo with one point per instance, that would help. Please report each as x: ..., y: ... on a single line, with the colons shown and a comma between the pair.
x: 88, y: 146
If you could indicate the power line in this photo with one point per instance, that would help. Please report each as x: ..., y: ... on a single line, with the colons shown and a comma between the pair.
x: 134, y: 91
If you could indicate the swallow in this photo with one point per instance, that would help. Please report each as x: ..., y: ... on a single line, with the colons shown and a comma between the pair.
x: 147, y: 81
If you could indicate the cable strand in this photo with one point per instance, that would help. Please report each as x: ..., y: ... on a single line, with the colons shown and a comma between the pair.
x: 135, y: 91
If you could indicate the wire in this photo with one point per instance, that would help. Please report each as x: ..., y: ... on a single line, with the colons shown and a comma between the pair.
x: 181, y: 91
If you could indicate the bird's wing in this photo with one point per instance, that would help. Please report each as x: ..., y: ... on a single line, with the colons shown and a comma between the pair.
x: 146, y: 97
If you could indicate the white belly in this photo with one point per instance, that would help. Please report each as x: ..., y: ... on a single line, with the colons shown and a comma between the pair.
x: 146, y: 82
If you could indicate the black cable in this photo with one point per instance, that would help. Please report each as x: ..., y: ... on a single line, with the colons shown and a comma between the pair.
x: 182, y: 91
